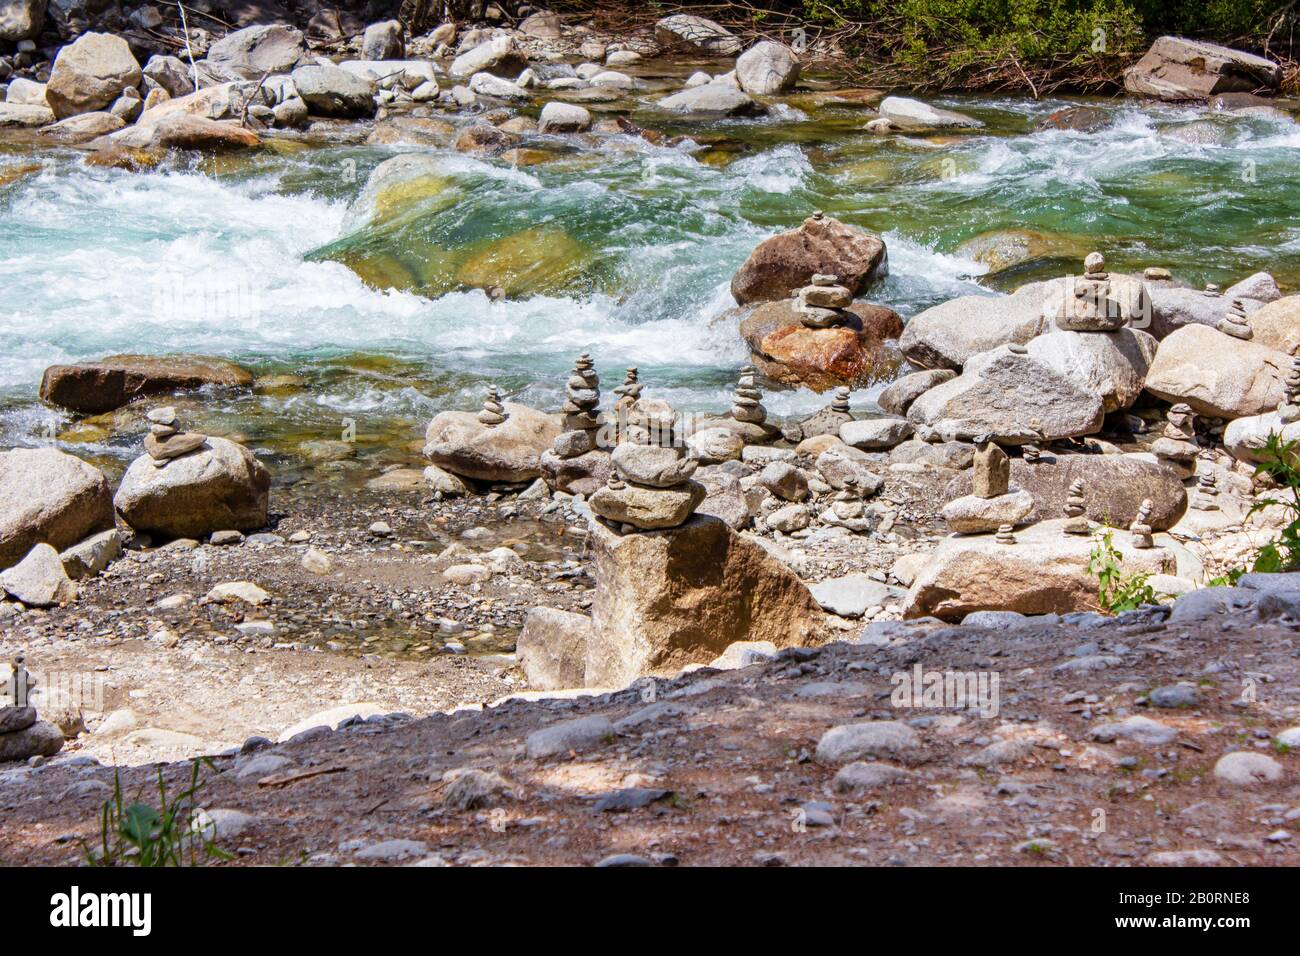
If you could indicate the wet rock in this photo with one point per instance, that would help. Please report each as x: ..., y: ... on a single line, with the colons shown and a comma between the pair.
x: 1180, y: 69
x: 184, y: 132
x: 508, y: 452
x: 49, y: 496
x: 38, y: 580
x: 552, y: 648
x: 715, y: 98
x: 767, y: 68
x: 90, y: 73
x: 222, y: 485
x: 559, y: 117
x: 913, y: 114
x: 83, y: 128
x: 1216, y: 374
x: 1079, y: 119
x: 665, y: 599
x: 820, y: 245
x: 110, y: 383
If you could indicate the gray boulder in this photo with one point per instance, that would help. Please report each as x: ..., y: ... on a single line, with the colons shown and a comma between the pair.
x: 1110, y: 364
x: 552, y: 648
x: 49, y: 496
x: 1179, y: 69
x: 1013, y: 396
x: 767, y: 68
x: 949, y: 334
x: 913, y: 114
x: 331, y: 91
x: 253, y: 52
x: 557, y: 117
x: 384, y: 41
x: 21, y: 19
x: 41, y: 739
x: 510, y: 451
x: 170, y: 73
x: 1217, y: 374
x: 220, y: 486
x: 38, y: 580
x: 1172, y: 307
x: 498, y: 55
x: 717, y: 98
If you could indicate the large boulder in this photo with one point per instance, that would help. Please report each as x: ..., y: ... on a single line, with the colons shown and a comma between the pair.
x: 1277, y: 325
x: 582, y: 475
x: 686, y: 33
x: 170, y: 73
x: 218, y: 487
x: 1245, y: 439
x: 498, y: 55
x: 1010, y: 395
x: 181, y: 131
x: 94, y: 387
x: 913, y: 114
x: 1110, y: 364
x: 21, y: 19
x: 552, y: 648
x: 853, y: 354
x: 899, y: 396
x: 1179, y: 69
x: 332, y: 91
x: 767, y: 68
x: 52, y: 497
x: 384, y: 41
x: 508, y: 452
x: 1044, y: 572
x: 253, y: 52
x: 24, y: 116
x: 716, y: 98
x: 557, y: 117
x: 666, y: 599
x: 947, y: 335
x: 1114, y: 488
x: 1217, y: 374
x: 1172, y: 307
x: 90, y: 73
x: 821, y: 244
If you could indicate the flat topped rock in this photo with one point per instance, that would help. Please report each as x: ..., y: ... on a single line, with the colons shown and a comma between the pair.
x: 110, y: 383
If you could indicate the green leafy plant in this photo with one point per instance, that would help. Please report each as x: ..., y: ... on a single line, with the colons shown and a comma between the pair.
x: 140, y: 834
x: 1117, y: 591
x: 1280, y: 462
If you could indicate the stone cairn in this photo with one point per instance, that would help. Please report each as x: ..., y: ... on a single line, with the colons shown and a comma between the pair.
x: 1178, y: 446
x: 1235, y: 322
x: 1289, y: 410
x: 1211, y: 291
x: 630, y: 390
x: 824, y: 303
x: 992, y: 472
x: 581, y: 422
x: 827, y: 421
x: 747, y: 403
x: 493, y: 413
x: 847, y: 509
x: 650, y: 487
x: 21, y: 735
x: 165, y: 440
x: 1206, y: 497
x: 1076, y: 520
x: 1140, y: 529
x: 1005, y: 534
x: 1090, y: 307
x: 991, y: 504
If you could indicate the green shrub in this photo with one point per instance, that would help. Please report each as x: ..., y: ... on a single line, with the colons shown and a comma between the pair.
x: 1117, y: 591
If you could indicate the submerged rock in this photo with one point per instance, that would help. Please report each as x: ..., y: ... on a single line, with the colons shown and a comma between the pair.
x: 110, y: 383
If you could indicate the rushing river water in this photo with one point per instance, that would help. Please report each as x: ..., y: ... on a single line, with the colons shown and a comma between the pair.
x: 238, y: 257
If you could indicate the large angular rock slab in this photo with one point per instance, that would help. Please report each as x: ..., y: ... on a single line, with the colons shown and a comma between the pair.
x: 788, y: 260
x: 1044, y: 572
x: 1178, y: 69
x: 332, y: 91
x: 687, y: 33
x: 219, y: 487
x: 253, y: 52
x: 1216, y: 374
x: 854, y: 354
x: 38, y: 580
x: 665, y: 599
x: 948, y: 335
x: 49, y: 496
x: 1114, y: 487
x: 1110, y: 364
x: 1277, y: 324
x: 94, y: 387
x: 767, y: 68
x: 1013, y: 396
x: 1246, y: 438
x: 509, y: 452
x: 1172, y: 307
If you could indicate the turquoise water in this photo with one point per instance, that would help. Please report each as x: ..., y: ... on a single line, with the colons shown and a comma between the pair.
x: 234, y: 259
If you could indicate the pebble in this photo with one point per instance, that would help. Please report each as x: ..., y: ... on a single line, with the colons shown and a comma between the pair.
x: 1140, y: 730
x: 317, y: 562
x: 219, y: 538
x: 857, y: 777
x: 393, y: 850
